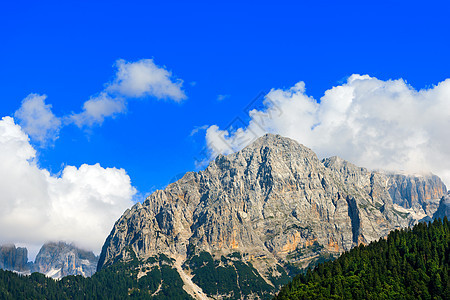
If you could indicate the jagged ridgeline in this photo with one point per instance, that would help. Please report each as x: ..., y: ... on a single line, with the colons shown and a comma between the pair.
x: 55, y: 259
x: 244, y: 226
x: 409, y: 264
x: 251, y: 220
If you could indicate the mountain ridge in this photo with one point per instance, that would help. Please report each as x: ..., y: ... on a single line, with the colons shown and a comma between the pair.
x: 275, y: 204
x: 55, y: 259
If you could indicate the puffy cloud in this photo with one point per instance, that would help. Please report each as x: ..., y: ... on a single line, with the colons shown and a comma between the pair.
x: 37, y: 119
x: 80, y: 206
x: 144, y: 78
x: 373, y: 123
x: 96, y: 109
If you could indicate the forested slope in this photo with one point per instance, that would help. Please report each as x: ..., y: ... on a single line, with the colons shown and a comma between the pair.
x: 409, y: 264
x: 158, y: 280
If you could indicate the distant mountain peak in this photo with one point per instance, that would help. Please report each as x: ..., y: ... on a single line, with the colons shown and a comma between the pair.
x: 55, y: 259
x: 59, y: 259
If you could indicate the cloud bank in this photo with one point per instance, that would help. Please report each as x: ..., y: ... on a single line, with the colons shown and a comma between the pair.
x: 80, y: 206
x: 373, y: 123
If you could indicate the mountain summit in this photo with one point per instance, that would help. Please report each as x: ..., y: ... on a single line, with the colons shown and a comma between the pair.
x: 261, y: 213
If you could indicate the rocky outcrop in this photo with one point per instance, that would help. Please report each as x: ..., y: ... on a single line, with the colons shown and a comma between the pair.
x: 417, y: 191
x: 12, y: 258
x: 260, y: 212
x: 61, y: 259
x: 444, y: 208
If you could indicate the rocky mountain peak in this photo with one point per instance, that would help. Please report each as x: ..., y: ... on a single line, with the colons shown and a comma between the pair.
x: 12, y: 258
x: 444, y: 207
x: 59, y: 259
x: 271, y: 205
x: 55, y: 259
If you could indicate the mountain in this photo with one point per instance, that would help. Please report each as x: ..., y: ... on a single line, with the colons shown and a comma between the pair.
x: 444, y: 207
x: 251, y: 220
x: 60, y: 259
x: 408, y: 264
x: 12, y: 258
x: 115, y: 282
x: 55, y: 259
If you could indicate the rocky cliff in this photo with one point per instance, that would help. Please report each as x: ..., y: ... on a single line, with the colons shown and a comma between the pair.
x: 61, y: 259
x: 12, y: 258
x: 444, y: 208
x: 242, y: 226
x: 55, y: 260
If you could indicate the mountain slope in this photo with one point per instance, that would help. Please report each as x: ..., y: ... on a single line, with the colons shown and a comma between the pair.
x: 444, y: 207
x: 12, y: 258
x: 119, y: 281
x: 409, y: 264
x: 258, y: 214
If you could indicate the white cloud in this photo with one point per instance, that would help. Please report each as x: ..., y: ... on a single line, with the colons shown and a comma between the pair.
x: 373, y: 123
x: 197, y: 129
x: 38, y: 120
x: 96, y: 109
x: 144, y: 78
x: 222, y: 97
x: 79, y: 206
x: 133, y: 79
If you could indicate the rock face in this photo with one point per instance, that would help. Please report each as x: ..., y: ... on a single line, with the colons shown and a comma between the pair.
x: 54, y: 260
x: 444, y: 208
x: 12, y: 258
x: 257, y: 214
x: 60, y: 259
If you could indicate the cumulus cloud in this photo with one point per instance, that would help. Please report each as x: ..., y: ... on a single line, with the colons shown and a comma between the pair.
x: 142, y: 78
x: 97, y: 108
x: 80, y: 206
x: 37, y: 119
x: 373, y: 123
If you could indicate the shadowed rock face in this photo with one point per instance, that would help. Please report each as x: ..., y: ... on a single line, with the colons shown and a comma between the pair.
x: 275, y: 203
x: 12, y: 258
x: 60, y: 259
x: 444, y: 208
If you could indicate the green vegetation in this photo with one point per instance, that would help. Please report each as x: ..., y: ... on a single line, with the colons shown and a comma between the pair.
x: 229, y: 276
x: 117, y: 281
x: 409, y: 264
x: 281, y: 280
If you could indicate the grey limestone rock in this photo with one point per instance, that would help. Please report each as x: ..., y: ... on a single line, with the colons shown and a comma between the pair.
x: 275, y: 202
x: 12, y: 258
x: 59, y: 259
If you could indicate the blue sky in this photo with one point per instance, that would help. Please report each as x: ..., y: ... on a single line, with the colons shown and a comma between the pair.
x: 225, y: 54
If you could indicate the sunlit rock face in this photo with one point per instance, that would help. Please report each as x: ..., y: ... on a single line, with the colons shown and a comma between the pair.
x: 272, y: 205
